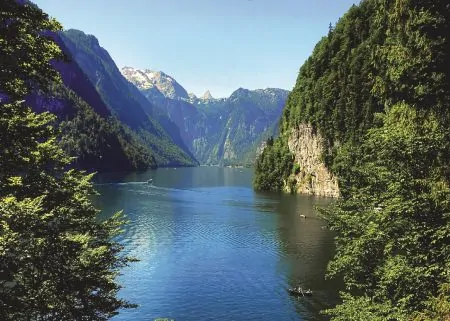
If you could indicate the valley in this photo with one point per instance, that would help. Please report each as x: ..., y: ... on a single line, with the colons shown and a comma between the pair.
x: 125, y: 196
x: 218, y: 131
x: 164, y: 125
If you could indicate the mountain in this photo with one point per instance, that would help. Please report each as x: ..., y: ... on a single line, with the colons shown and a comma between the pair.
x: 125, y: 102
x: 218, y: 131
x: 89, y: 132
x: 148, y: 79
x: 369, y: 121
x: 207, y: 96
x: 246, y: 116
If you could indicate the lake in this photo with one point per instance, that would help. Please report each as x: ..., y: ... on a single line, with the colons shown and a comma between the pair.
x: 211, y: 248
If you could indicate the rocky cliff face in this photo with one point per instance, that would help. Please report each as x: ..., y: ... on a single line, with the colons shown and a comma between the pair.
x: 311, y: 177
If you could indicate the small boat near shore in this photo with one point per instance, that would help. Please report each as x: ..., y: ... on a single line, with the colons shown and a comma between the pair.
x: 150, y: 181
x: 299, y: 291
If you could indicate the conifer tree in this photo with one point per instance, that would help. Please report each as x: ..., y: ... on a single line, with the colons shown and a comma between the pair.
x: 57, y: 262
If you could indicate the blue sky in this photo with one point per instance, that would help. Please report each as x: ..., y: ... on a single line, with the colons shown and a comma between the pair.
x: 219, y: 45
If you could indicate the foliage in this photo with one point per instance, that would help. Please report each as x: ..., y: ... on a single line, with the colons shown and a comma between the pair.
x: 438, y: 308
x: 393, y: 224
x: 296, y: 169
x: 57, y: 262
x: 377, y: 89
x: 333, y: 88
x: 274, y: 163
x: 357, y: 308
x: 25, y: 60
x: 101, y: 144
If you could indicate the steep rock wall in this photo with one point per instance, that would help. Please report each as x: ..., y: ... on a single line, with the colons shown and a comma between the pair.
x: 311, y: 177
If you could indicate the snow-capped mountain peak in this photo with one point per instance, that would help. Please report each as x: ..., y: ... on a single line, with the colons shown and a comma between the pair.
x: 207, y: 96
x: 147, y: 79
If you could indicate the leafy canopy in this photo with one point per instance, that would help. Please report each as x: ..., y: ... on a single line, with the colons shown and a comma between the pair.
x: 377, y: 88
x: 57, y: 262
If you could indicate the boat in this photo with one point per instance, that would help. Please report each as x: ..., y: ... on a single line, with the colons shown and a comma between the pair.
x: 150, y: 180
x: 299, y: 291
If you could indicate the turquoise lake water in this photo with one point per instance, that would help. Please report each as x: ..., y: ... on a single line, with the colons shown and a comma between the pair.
x: 211, y: 248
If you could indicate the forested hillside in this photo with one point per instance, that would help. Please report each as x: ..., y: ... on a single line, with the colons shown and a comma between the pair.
x: 333, y: 92
x: 125, y: 102
x: 377, y: 90
x: 100, y: 144
x: 97, y: 140
x: 100, y: 136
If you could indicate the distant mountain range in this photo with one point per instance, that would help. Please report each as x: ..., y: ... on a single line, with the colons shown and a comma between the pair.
x: 222, y: 131
x: 114, y: 120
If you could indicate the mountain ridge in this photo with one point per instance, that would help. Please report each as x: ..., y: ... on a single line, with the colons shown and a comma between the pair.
x: 89, y: 132
x: 218, y: 131
x: 126, y: 102
x: 145, y: 79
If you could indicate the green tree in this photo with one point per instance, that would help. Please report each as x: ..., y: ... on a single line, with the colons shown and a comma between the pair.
x: 438, y: 308
x: 273, y: 166
x: 377, y: 89
x: 392, y: 223
x: 25, y: 48
x: 57, y: 262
